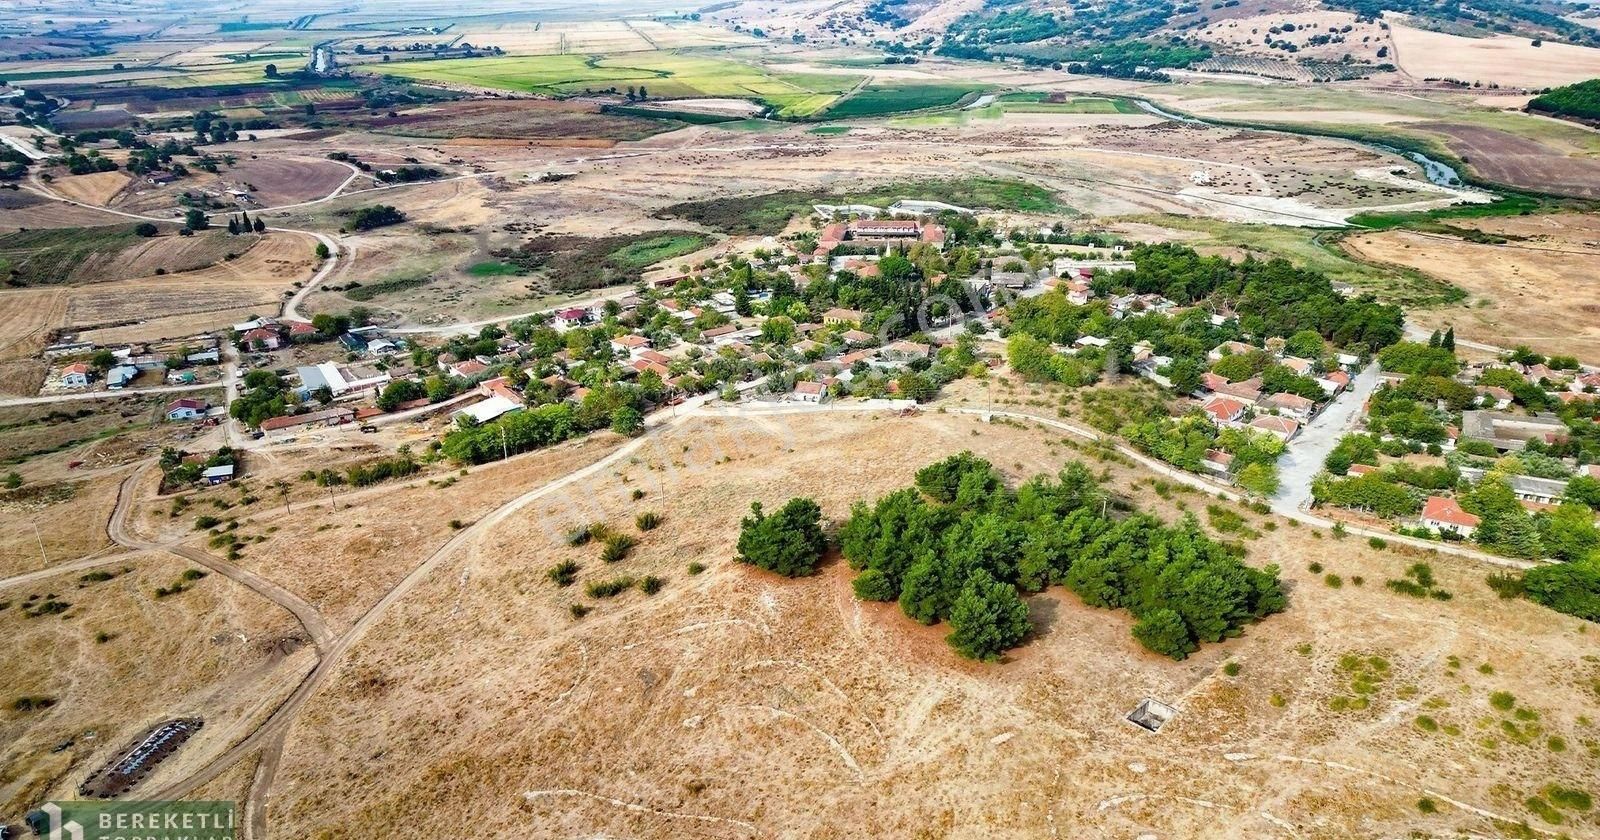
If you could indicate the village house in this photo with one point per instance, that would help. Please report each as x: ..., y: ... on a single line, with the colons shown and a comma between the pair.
x: 572, y: 317
x: 1229, y: 348
x: 186, y: 408
x: 1293, y: 405
x: 1442, y: 515
x: 1283, y: 427
x: 810, y: 392
x: 75, y: 375
x: 219, y: 474
x: 905, y: 351
x: 1217, y: 461
x: 715, y: 333
x: 119, y: 376
x: 1248, y: 390
x: 851, y: 317
x: 261, y: 339
x: 1501, y: 398
x: 1334, y: 382
x: 630, y: 345
x: 1528, y: 488
x: 858, y: 338
x: 1225, y: 411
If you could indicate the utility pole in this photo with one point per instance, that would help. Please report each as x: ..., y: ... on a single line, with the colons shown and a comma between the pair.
x: 505, y: 451
x: 40, y: 538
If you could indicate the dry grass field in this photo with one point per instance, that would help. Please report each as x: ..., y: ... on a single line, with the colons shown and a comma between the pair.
x: 120, y: 659
x: 735, y: 704
x: 1541, y: 295
x: 207, y: 297
x: 1506, y: 60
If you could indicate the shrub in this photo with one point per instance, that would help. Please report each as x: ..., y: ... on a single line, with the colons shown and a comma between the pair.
x: 1378, y: 543
x: 1505, y: 584
x: 637, y: 494
x: 1427, y: 806
x: 579, y: 610
x: 1232, y: 669
x: 1315, y: 568
x: 205, y: 522
x: 608, y: 588
x: 616, y: 547
x: 873, y: 585
x: 29, y: 704
x: 647, y: 521
x: 1502, y: 700
x: 696, y: 567
x: 563, y: 573
x: 1427, y: 724
x: 578, y: 537
x: 1333, y: 581
x: 1571, y: 799
x: 650, y: 584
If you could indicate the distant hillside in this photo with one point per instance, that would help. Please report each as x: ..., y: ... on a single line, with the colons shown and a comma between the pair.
x: 1580, y: 101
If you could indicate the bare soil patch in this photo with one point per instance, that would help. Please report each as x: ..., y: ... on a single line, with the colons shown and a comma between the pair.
x: 533, y: 120
x: 1509, y: 159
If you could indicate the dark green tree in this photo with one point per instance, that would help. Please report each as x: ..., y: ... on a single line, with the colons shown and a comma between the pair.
x: 987, y: 618
x: 789, y: 542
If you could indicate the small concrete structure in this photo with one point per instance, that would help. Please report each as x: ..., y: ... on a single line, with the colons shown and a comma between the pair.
x: 1151, y: 714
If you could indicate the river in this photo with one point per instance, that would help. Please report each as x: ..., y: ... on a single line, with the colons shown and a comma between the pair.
x: 1439, y: 174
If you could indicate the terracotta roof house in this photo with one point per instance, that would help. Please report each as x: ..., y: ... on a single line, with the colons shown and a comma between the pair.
x: 75, y: 375
x: 186, y: 408
x: 811, y: 392
x: 843, y: 316
x: 1444, y: 514
x: 1291, y: 404
x: 1225, y: 410
x: 858, y: 337
x: 1283, y: 427
x: 262, y: 338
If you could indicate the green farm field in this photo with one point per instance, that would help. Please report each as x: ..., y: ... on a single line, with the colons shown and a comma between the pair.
x: 661, y: 74
x: 878, y: 100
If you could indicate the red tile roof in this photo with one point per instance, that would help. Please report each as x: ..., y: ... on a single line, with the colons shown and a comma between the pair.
x: 1441, y: 509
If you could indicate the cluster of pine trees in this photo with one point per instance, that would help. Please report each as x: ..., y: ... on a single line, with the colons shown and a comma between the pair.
x: 960, y: 546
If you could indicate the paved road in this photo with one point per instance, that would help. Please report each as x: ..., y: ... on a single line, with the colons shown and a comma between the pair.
x: 1303, y: 459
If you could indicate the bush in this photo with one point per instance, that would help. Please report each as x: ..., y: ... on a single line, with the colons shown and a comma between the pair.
x: 616, y: 547
x: 1232, y: 669
x: 647, y: 521
x: 696, y: 567
x: 578, y: 537
x: 1427, y: 724
x: 563, y: 573
x: 579, y: 610
x: 1378, y: 543
x: 1333, y: 581
x: 1505, y: 701
x: 873, y: 585
x: 790, y: 542
x: 1505, y: 584
x: 1427, y: 806
x: 608, y: 588
x: 650, y: 584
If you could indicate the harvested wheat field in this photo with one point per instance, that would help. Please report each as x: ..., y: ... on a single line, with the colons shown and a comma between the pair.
x: 1506, y: 60
x: 98, y: 189
x: 102, y: 658
x: 1541, y: 294
x: 26, y: 319
x: 738, y: 704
